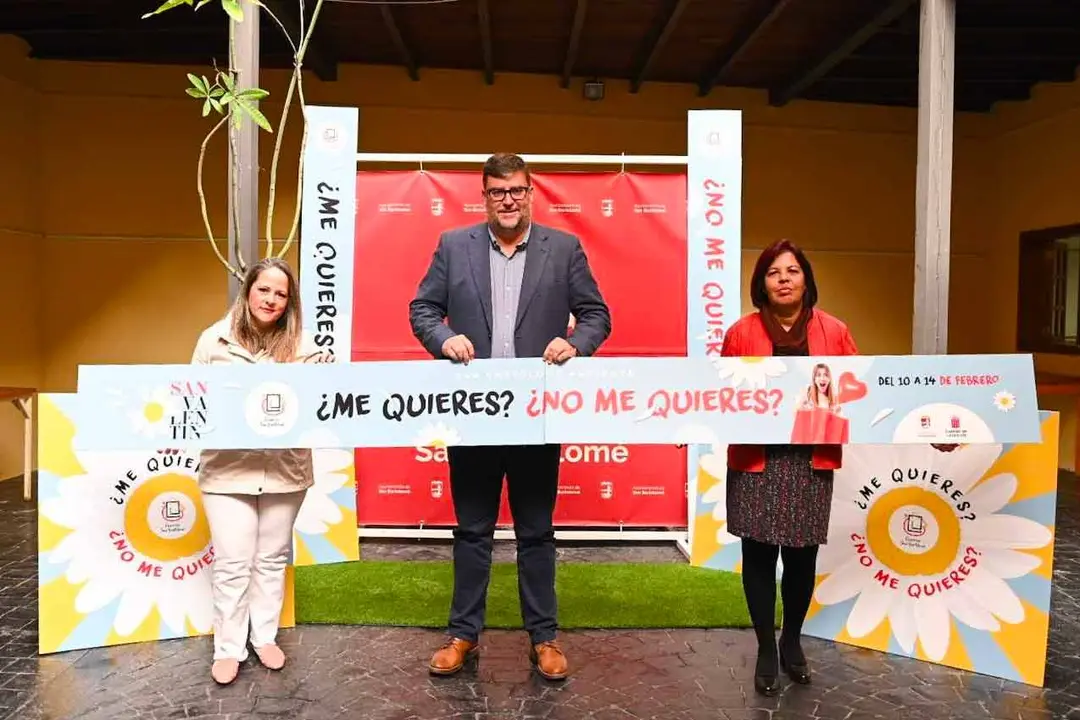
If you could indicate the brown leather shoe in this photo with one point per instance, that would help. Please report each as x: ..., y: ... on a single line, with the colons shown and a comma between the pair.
x: 549, y: 659
x: 451, y: 657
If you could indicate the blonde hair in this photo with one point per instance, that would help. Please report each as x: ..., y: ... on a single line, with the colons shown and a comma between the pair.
x: 280, y: 342
x: 813, y: 394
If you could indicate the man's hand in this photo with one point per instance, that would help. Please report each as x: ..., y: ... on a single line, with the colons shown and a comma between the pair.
x: 459, y: 349
x: 559, y: 351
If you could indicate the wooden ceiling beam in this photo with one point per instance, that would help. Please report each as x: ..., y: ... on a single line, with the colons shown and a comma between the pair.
x: 407, y: 57
x: 318, y: 58
x: 485, y: 42
x: 575, y: 42
x: 888, y: 14
x: 747, y: 35
x: 658, y: 44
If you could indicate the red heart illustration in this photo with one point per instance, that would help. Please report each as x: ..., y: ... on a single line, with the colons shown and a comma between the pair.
x: 850, y: 388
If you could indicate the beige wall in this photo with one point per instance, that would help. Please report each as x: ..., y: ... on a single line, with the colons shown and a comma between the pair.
x: 101, y: 235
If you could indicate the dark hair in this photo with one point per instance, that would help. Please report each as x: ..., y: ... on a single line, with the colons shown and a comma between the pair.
x: 503, y: 165
x: 768, y: 256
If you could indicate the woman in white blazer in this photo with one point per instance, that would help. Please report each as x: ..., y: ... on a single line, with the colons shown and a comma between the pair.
x: 252, y: 497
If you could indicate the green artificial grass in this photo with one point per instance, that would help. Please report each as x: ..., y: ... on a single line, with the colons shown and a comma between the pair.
x: 600, y: 595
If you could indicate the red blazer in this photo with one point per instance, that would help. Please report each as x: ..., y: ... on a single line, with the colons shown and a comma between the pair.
x: 826, y: 335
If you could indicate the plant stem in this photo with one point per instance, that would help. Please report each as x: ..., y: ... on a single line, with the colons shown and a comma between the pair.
x: 202, y: 198
x: 299, y: 176
x: 288, y: 38
x: 234, y: 160
x: 296, y: 83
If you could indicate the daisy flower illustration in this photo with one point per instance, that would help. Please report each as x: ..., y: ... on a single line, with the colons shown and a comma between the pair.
x: 751, y: 371
x: 436, y: 435
x: 950, y: 557
x: 1004, y: 401
x: 150, y: 416
x: 715, y: 465
x: 332, y: 466
x: 134, y: 532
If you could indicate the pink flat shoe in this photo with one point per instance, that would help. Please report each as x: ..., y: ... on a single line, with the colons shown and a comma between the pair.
x: 224, y: 671
x: 271, y: 656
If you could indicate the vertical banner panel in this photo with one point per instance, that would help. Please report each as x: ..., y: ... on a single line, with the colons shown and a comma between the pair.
x: 327, y: 226
x: 713, y: 259
x: 325, y: 530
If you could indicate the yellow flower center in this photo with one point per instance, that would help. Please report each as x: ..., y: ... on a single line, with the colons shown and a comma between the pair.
x: 154, y: 412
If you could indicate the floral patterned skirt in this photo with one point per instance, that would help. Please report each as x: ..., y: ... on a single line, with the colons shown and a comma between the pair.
x: 787, y: 505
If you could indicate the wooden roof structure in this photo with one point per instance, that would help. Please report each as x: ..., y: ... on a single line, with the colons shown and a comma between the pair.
x: 856, y: 51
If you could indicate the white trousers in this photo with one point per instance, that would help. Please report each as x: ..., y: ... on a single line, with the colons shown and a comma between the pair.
x: 252, y: 537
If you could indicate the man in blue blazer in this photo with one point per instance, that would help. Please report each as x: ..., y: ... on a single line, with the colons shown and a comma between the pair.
x: 503, y: 289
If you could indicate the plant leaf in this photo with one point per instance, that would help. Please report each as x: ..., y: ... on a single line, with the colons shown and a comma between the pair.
x: 201, y: 3
x: 217, y: 91
x: 198, y: 84
x: 232, y: 7
x: 226, y: 98
x: 194, y: 92
x: 167, y: 5
x: 253, y: 94
x: 227, y: 80
x: 216, y: 105
x: 255, y: 114
x: 206, y: 107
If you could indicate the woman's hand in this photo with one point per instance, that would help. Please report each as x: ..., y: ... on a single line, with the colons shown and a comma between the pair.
x: 323, y: 356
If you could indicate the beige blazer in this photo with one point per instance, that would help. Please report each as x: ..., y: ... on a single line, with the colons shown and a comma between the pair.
x: 250, y: 472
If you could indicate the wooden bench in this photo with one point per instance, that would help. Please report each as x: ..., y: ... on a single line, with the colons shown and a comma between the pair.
x: 23, y: 399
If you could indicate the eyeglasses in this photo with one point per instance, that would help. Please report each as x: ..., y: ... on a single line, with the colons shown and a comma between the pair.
x: 499, y: 194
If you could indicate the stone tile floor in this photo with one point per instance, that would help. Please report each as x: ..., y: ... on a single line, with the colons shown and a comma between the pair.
x: 380, y: 673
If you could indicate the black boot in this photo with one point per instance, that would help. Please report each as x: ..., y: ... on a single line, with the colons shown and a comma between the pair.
x: 793, y: 661
x: 766, y: 670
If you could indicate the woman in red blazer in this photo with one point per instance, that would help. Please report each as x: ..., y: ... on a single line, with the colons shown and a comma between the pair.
x: 779, y: 496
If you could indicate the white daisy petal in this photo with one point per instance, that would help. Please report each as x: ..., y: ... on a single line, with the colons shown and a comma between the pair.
x: 716, y: 494
x: 714, y: 465
x: 316, y: 514
x: 966, y: 465
x: 995, y: 595
x: 968, y: 610
x: 171, y: 607
x: 845, y: 583
x: 1008, y: 564
x: 993, y: 494
x: 934, y: 626
x: 831, y: 557
x: 135, y: 605
x: 98, y: 592
x: 723, y: 537
x: 1006, y: 531
x: 902, y: 621
x: 869, y: 610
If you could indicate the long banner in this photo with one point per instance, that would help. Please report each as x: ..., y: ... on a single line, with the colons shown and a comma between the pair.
x: 958, y: 399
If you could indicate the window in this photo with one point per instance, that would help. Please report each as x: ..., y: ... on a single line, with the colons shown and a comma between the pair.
x: 1048, y: 298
